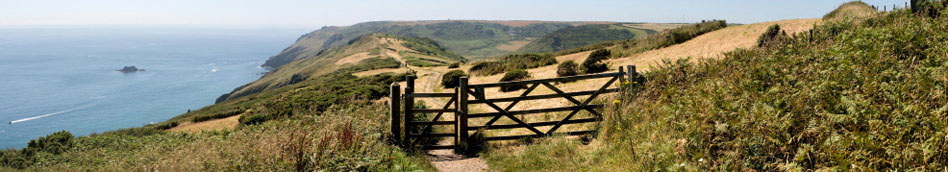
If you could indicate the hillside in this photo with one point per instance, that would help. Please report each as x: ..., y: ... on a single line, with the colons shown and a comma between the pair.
x: 471, y: 39
x: 575, y: 37
x: 369, y: 52
x: 856, y: 96
x: 852, y: 10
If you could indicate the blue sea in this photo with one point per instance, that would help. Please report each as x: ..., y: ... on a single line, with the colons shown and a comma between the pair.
x: 64, y: 78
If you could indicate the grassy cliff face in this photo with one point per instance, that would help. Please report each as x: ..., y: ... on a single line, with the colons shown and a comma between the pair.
x: 862, y: 96
x: 575, y: 37
x: 471, y: 39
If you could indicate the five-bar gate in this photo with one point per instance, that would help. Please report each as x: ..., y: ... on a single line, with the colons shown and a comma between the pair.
x: 417, y: 131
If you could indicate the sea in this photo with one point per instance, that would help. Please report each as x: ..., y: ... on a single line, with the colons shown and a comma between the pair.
x: 55, y: 78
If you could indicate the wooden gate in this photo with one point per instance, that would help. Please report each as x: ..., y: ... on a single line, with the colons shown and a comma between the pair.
x: 466, y: 95
x: 420, y: 130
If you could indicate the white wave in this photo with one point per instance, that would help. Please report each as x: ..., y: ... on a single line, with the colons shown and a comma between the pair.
x: 215, y: 68
x: 50, y: 114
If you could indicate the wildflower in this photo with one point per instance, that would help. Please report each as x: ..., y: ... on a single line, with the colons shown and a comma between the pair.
x: 619, y: 128
x: 616, y: 101
x: 626, y: 83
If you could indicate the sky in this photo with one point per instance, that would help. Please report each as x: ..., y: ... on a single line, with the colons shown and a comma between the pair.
x: 318, y: 13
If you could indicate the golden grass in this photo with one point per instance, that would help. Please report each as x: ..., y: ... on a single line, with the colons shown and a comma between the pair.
x: 217, y: 124
x: 354, y: 58
x: 713, y: 44
x: 512, y: 45
x: 654, y: 26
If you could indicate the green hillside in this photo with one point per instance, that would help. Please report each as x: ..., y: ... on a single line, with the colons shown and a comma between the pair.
x: 378, y: 48
x: 865, y: 95
x: 471, y: 39
x: 574, y: 37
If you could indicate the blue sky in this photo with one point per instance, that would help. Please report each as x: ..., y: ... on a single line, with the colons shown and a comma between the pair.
x: 313, y: 14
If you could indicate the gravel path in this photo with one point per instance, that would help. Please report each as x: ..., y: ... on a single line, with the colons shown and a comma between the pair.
x: 447, y: 161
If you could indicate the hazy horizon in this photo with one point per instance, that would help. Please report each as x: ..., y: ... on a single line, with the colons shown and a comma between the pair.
x: 315, y: 14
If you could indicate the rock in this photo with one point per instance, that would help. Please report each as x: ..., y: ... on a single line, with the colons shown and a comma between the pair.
x: 128, y: 69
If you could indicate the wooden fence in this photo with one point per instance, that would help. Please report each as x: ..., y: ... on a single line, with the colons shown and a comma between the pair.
x: 416, y: 131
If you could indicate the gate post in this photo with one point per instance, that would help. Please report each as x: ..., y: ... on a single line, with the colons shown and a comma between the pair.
x: 409, y: 106
x: 622, y: 75
x: 394, y: 109
x: 462, y: 112
x: 632, y: 74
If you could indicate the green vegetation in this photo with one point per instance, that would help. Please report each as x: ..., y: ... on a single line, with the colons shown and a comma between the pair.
x: 594, y: 64
x: 851, y: 10
x: 665, y: 39
x: 512, y: 62
x: 629, y: 47
x: 514, y: 75
x: 567, y: 68
x: 429, y: 47
x: 485, y: 68
x: 326, y: 62
x: 772, y: 35
x: 254, y: 119
x: 450, y: 79
x: 341, y: 139
x: 574, y: 37
x: 863, y: 96
x: 454, y: 65
x: 213, y: 116
x: 472, y: 39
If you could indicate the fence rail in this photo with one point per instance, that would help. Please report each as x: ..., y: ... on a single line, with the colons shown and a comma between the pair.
x: 465, y: 95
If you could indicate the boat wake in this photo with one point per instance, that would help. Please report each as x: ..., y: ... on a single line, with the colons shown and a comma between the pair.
x: 51, y: 114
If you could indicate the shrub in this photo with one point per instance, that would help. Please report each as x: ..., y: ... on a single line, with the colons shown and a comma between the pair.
x: 254, y: 119
x: 514, y: 75
x: 485, y: 68
x: 528, y: 61
x: 454, y: 65
x: 567, y: 68
x: 476, y: 143
x: 772, y: 35
x: 55, y: 143
x: 450, y: 79
x: 166, y: 125
x: 593, y: 64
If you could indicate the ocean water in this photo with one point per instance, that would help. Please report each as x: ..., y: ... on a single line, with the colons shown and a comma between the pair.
x: 64, y: 78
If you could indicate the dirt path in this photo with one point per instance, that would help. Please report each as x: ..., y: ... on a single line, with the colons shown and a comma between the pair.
x: 445, y: 160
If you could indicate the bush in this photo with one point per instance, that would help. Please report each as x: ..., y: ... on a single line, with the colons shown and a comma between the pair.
x: 254, y: 119
x: 514, y: 75
x: 450, y: 79
x: 55, y: 143
x: 772, y: 35
x: 567, y: 68
x: 476, y: 143
x: 454, y: 65
x: 165, y: 125
x: 485, y: 68
x: 593, y: 64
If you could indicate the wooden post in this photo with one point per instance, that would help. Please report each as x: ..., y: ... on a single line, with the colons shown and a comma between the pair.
x: 394, y: 108
x: 622, y: 75
x: 409, y: 106
x: 632, y: 73
x: 462, y: 111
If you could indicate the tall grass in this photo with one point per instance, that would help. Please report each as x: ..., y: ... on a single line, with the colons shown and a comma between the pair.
x: 342, y: 139
x: 863, y: 96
